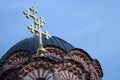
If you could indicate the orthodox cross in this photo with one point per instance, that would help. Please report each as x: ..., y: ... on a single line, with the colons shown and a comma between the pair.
x: 36, y: 27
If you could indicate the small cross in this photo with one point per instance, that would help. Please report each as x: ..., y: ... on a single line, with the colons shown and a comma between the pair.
x: 26, y: 13
x: 34, y: 10
x: 31, y: 28
x: 34, y: 30
x: 42, y: 21
x: 36, y: 27
x: 47, y: 35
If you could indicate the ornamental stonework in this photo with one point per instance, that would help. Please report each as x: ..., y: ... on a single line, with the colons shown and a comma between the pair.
x: 45, y: 57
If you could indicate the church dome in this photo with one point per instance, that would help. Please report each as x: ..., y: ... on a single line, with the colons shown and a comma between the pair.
x: 31, y: 45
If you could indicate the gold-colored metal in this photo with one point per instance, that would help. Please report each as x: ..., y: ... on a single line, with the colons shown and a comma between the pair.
x: 36, y: 28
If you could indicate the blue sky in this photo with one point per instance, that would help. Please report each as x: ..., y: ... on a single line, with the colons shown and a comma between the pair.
x: 93, y: 25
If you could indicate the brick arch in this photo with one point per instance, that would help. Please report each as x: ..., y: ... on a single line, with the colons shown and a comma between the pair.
x: 67, y: 70
x: 18, y: 57
x: 93, y: 75
x: 97, y: 67
x: 37, y: 74
x: 65, y: 75
x: 11, y: 74
x: 80, y: 56
x: 54, y: 51
x: 36, y: 68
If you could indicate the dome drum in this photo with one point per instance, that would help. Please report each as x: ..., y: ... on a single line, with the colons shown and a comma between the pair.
x: 59, y: 60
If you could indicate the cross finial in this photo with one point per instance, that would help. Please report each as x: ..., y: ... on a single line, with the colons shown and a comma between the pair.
x: 36, y: 27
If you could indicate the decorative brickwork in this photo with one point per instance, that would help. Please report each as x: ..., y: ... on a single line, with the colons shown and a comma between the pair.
x: 53, y: 65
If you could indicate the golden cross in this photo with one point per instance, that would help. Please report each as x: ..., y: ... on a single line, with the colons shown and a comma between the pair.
x: 36, y: 27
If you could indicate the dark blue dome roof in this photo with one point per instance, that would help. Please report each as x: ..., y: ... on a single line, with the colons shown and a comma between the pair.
x: 31, y: 44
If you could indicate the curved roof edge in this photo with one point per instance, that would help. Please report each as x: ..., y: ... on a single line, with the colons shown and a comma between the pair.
x: 79, y: 49
x: 100, y: 66
x: 31, y: 45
